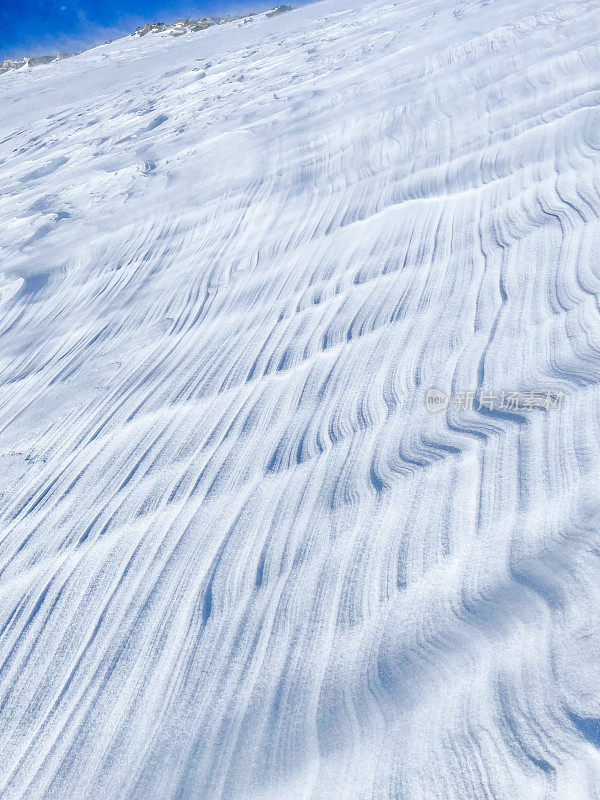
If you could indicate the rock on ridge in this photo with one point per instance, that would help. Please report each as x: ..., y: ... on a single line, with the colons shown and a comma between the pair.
x: 17, y: 63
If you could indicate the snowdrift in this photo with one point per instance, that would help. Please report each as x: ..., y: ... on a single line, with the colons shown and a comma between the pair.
x: 240, y: 558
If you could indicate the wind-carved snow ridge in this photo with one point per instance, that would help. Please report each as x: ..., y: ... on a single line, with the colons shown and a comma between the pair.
x: 239, y: 558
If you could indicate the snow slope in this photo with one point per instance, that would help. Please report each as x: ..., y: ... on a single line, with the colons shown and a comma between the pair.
x: 239, y: 559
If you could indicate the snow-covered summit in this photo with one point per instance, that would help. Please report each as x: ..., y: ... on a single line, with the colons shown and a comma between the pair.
x: 187, y: 25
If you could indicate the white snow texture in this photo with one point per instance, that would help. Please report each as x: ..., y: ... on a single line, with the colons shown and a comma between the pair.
x: 239, y: 558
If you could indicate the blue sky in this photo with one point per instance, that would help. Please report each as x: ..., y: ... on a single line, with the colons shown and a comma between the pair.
x: 37, y: 27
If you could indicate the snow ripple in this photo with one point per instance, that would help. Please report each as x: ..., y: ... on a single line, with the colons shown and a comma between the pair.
x: 239, y: 559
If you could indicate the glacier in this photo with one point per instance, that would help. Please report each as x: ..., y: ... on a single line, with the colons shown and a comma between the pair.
x: 240, y: 559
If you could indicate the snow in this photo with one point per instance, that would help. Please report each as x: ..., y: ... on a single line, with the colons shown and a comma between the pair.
x: 239, y: 558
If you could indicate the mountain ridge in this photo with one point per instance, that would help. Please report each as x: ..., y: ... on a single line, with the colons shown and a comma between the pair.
x: 178, y: 28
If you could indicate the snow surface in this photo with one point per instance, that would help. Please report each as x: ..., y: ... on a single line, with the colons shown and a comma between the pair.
x: 239, y: 559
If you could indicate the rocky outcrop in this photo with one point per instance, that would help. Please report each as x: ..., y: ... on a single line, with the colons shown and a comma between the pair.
x: 12, y: 63
x: 278, y: 10
x: 186, y: 25
x: 150, y: 27
x: 182, y: 26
